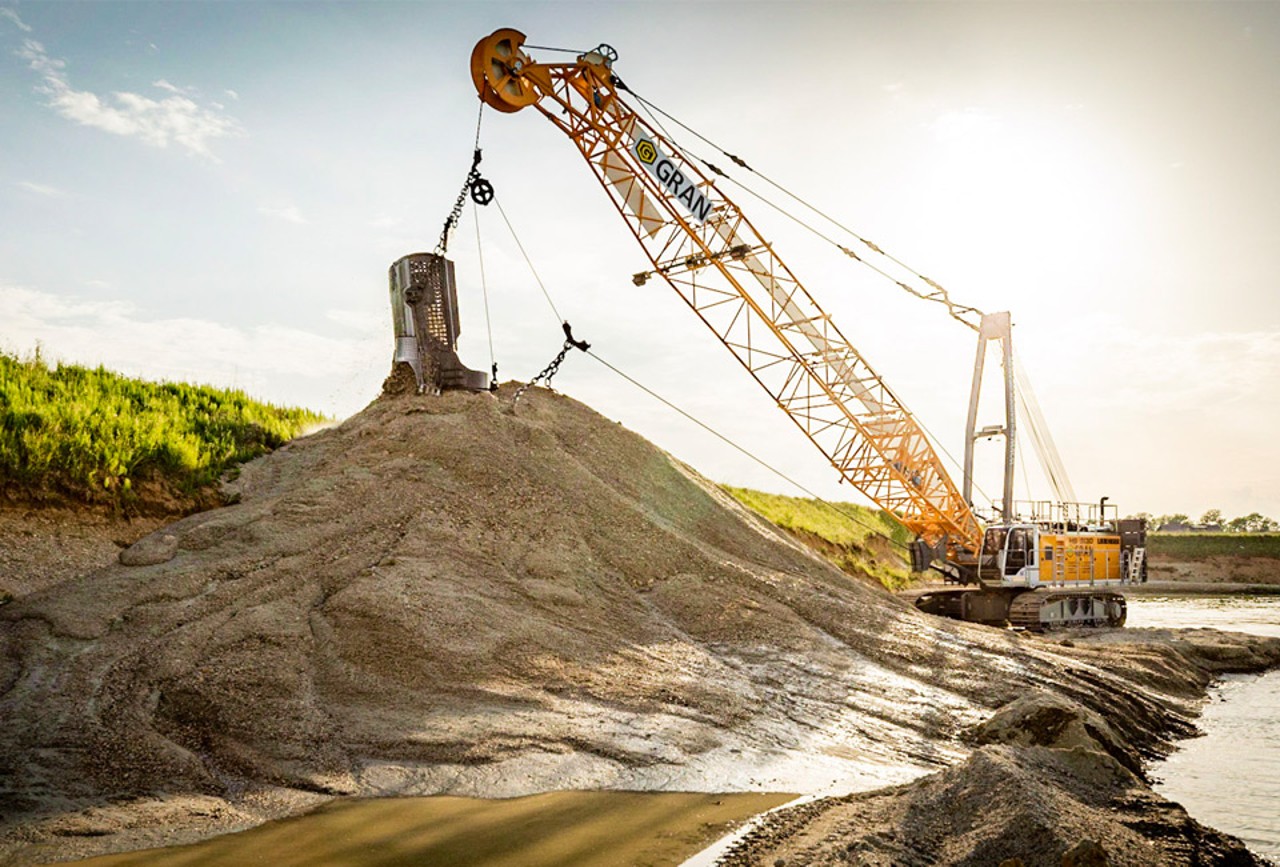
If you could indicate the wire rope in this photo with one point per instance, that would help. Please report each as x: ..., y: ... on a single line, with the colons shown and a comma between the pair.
x: 942, y: 297
x: 484, y: 288
x: 761, y: 461
x: 651, y: 109
x: 528, y: 261
x: 549, y: 48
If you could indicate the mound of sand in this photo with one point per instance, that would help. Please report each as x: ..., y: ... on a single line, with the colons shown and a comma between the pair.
x: 1050, y: 795
x: 443, y: 595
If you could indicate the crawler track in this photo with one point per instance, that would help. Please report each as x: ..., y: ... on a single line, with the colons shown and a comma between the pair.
x: 1028, y: 609
x: 1048, y: 609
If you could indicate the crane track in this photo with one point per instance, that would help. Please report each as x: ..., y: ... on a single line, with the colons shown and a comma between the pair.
x: 1048, y: 609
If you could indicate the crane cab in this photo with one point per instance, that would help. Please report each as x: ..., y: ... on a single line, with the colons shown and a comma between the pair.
x: 1029, y: 555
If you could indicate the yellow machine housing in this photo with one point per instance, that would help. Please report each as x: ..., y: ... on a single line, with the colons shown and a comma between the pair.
x: 1027, y: 556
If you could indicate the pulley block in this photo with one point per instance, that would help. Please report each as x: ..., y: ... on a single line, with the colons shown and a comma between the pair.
x: 481, y: 191
x: 505, y: 77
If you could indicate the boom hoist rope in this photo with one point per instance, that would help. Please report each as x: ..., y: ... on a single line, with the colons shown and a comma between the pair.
x: 640, y: 278
x: 1041, y: 437
x: 570, y: 342
x: 936, y: 292
x: 750, y: 300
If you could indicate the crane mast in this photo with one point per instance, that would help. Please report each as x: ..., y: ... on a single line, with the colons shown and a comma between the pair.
x: 702, y: 244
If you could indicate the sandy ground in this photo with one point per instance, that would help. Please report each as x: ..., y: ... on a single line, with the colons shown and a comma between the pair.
x: 441, y: 596
x: 42, y: 547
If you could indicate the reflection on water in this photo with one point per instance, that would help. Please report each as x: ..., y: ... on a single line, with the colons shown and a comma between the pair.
x: 583, y: 829
x: 1257, y: 615
x: 1230, y: 778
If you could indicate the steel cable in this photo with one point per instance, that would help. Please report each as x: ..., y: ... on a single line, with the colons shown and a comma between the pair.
x: 761, y: 461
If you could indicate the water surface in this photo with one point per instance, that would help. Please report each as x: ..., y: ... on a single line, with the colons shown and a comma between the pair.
x: 1230, y: 778
x: 573, y: 829
x: 1257, y: 615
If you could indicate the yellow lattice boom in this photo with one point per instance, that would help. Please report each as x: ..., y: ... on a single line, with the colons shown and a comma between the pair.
x: 702, y: 244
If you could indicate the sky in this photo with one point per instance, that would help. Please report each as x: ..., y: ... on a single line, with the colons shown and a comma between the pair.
x: 213, y: 192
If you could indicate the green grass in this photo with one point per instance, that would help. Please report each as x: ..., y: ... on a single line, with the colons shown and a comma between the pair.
x: 90, y: 435
x: 848, y: 535
x: 1197, y: 546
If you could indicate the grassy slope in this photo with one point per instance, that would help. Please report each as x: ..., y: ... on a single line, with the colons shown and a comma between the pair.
x: 851, y: 536
x: 1197, y: 546
x: 94, y: 436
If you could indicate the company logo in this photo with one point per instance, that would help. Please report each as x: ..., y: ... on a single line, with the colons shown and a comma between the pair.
x: 646, y: 151
x: 678, y: 186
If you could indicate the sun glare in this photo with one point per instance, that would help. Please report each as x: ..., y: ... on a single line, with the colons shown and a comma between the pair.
x: 1032, y: 187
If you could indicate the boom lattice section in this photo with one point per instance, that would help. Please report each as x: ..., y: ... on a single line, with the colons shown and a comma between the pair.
x: 732, y: 279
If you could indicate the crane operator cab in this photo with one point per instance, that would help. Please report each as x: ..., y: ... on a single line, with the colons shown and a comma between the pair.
x: 1029, y: 555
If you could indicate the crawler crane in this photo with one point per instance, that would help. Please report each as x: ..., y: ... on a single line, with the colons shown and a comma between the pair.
x: 1054, y: 568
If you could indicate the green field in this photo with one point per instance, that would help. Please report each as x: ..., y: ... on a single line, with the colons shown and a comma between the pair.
x: 862, y: 541
x: 1197, y: 546
x: 88, y: 435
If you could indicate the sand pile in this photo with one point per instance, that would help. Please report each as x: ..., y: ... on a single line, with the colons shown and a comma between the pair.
x: 441, y: 595
x: 1049, y: 785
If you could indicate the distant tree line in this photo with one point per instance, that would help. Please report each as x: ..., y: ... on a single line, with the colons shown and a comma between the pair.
x: 1213, y: 521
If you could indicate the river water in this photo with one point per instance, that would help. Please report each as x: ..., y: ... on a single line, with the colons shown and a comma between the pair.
x: 1230, y: 778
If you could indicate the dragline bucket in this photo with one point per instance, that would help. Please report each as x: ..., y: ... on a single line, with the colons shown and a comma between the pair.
x: 424, y: 310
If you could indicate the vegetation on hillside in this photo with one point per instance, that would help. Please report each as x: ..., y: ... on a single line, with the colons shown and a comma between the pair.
x: 94, y: 436
x: 861, y: 541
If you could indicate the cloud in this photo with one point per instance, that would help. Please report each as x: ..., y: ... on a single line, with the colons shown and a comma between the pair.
x: 288, y: 213
x: 6, y: 12
x: 276, y: 362
x: 1149, y: 372
x: 231, y: 93
x: 173, y: 88
x: 41, y: 189
x: 176, y: 119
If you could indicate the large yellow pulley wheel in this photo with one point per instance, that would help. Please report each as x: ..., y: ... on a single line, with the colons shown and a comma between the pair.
x: 505, y: 77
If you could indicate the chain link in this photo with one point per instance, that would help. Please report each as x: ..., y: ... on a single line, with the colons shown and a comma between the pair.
x: 554, y: 367
x: 481, y: 193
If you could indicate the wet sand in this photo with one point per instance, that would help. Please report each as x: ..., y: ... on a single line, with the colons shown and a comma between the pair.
x: 587, y: 829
